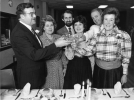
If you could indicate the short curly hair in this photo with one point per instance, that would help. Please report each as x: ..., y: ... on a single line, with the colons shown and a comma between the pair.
x: 47, y: 18
x: 21, y: 7
x: 67, y: 11
x: 82, y: 20
x: 112, y: 10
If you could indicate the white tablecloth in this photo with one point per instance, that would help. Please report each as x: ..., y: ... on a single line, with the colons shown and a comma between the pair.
x: 70, y: 93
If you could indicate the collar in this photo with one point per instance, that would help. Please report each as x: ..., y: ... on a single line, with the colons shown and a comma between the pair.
x: 115, y: 30
x: 69, y: 27
x: 28, y: 26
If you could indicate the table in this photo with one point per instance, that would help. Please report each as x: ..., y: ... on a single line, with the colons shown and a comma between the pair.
x: 70, y: 93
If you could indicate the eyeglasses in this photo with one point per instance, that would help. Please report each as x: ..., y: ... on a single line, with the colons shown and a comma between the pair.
x: 31, y: 13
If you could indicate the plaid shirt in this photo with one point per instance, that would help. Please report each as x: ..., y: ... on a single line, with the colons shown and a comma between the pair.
x: 116, y: 45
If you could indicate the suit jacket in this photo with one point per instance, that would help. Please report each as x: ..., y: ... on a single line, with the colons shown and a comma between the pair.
x: 64, y: 31
x: 31, y: 57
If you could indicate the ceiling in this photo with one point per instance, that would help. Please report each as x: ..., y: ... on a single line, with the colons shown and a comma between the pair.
x: 89, y: 4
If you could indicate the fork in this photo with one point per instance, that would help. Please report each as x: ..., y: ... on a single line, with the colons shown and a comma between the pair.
x: 126, y: 92
x: 37, y: 93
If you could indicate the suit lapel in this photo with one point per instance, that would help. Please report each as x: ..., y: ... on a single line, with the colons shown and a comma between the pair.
x: 66, y: 30
x: 30, y: 35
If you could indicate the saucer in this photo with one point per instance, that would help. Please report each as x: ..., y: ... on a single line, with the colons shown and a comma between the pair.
x: 96, y: 91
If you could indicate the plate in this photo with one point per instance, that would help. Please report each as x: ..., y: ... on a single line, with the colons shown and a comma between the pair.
x: 47, y: 92
x: 131, y: 90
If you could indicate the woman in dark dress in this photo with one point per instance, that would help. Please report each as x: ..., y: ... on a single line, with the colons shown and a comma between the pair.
x: 78, y: 67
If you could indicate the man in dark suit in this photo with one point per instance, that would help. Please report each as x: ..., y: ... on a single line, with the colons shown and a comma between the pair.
x: 67, y: 18
x: 31, y: 57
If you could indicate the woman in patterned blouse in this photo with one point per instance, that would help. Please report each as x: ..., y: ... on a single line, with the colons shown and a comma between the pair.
x: 112, y: 48
x: 79, y: 66
x: 55, y: 78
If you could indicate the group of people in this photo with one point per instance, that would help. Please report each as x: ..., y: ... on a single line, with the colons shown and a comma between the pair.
x: 102, y: 54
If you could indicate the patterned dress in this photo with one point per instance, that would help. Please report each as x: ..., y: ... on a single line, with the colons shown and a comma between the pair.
x: 55, y: 78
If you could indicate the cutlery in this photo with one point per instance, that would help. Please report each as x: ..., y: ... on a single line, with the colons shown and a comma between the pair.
x: 103, y: 92
x: 108, y: 94
x: 17, y: 92
x: 17, y: 96
x: 126, y: 92
x: 121, y: 96
x: 65, y: 94
x: 61, y: 94
x: 37, y: 93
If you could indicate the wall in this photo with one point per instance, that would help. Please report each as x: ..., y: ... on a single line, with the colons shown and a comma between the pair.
x: 6, y: 57
x: 6, y: 8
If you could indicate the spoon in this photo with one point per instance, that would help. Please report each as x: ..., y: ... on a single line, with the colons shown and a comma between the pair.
x: 126, y: 93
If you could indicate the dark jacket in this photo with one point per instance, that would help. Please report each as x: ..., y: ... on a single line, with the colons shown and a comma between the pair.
x: 31, y: 57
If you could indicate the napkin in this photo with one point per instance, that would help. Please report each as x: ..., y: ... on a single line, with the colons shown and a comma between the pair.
x: 26, y: 91
x: 114, y: 95
x: 117, y: 88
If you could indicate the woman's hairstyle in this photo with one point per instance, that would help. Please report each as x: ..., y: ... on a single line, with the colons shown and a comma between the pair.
x: 82, y: 20
x: 20, y: 8
x: 112, y: 10
x: 67, y: 11
x: 47, y: 18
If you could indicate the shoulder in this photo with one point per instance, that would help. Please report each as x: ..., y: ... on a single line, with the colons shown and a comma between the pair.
x: 95, y: 27
x: 61, y: 29
x: 124, y: 34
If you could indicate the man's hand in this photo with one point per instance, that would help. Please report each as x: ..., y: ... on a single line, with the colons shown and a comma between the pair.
x: 124, y: 79
x: 82, y: 51
x: 62, y: 42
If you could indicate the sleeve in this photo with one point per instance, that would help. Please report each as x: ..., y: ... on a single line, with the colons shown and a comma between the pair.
x: 90, y: 33
x: 23, y: 44
x: 126, y: 51
x: 91, y: 47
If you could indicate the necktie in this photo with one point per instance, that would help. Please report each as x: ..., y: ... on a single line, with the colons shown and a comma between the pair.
x: 35, y: 34
x: 70, y: 30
